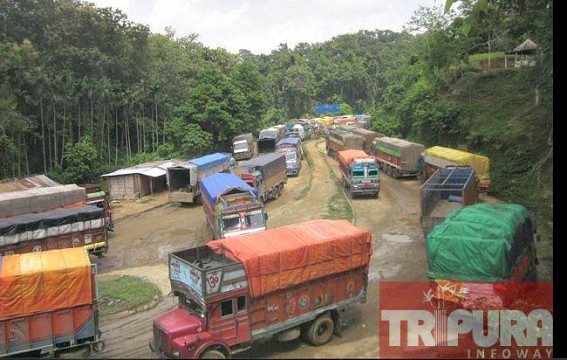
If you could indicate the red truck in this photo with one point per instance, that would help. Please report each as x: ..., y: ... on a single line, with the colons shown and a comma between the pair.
x: 359, y: 173
x: 48, y: 303
x: 281, y: 283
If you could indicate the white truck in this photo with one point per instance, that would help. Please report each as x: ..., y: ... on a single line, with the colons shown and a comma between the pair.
x: 243, y: 146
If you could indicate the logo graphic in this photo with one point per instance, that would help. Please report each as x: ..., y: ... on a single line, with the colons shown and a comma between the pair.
x: 466, y: 320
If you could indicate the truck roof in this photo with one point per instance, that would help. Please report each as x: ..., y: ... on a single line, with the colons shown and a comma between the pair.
x: 44, y: 281
x: 263, y: 159
x: 347, y: 156
x: 219, y: 184
x: 208, y: 161
x: 480, y: 163
x: 283, y: 257
x: 289, y: 140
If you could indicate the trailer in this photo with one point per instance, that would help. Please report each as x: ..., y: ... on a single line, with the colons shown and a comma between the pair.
x: 279, y: 283
x: 369, y: 137
x: 183, y: 180
x: 339, y: 140
x: 231, y: 206
x: 359, y: 173
x: 449, y: 188
x: 398, y: 157
x: 266, y: 173
x: 82, y: 226
x: 438, y: 157
x: 48, y: 303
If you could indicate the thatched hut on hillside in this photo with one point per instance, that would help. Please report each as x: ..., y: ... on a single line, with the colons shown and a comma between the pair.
x: 525, y: 54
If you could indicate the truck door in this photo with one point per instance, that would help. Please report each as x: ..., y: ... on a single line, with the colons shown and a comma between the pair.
x: 231, y: 322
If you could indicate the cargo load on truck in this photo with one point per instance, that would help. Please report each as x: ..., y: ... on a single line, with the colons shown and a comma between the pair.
x: 244, y: 146
x: 483, y: 243
x: 83, y: 226
x: 398, y: 157
x: 359, y: 173
x: 369, y: 137
x: 41, y: 199
x: 183, y: 180
x: 268, y: 138
x: 449, y: 188
x: 231, y: 206
x: 438, y: 157
x: 291, y: 148
x: 48, y: 303
x: 339, y: 140
x: 279, y: 283
x: 266, y: 173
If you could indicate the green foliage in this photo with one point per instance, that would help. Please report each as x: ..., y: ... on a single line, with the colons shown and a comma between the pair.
x: 384, y: 123
x: 81, y: 161
x: 188, y: 140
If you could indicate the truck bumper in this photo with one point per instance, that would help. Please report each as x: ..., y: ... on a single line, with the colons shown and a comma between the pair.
x: 365, y: 191
x: 293, y: 172
x: 158, y: 352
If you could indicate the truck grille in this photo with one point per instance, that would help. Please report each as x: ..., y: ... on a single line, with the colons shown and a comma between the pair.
x: 160, y: 339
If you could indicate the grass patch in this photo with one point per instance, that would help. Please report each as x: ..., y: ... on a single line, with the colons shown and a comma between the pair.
x: 476, y: 58
x: 122, y: 293
x: 338, y: 206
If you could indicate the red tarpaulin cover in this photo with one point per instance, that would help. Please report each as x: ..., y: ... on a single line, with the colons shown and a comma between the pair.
x: 348, y: 156
x: 283, y: 257
x: 44, y: 281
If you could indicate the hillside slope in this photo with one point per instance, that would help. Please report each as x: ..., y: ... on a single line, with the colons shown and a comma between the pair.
x: 506, y: 125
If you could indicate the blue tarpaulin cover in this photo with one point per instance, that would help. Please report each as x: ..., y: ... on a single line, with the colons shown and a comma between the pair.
x: 290, y: 140
x: 218, y: 184
x: 208, y: 161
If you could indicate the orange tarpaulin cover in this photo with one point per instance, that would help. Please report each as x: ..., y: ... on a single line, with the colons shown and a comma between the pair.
x: 347, y: 156
x: 283, y: 257
x: 44, y: 281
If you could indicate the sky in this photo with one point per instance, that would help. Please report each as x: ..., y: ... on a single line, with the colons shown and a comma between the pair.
x: 260, y: 26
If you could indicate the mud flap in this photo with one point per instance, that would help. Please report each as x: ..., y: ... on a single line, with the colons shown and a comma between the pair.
x: 339, y: 323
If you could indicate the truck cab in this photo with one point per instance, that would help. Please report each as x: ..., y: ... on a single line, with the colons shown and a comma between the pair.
x: 364, y: 176
x: 212, y: 312
x: 291, y: 147
x: 242, y: 214
x: 241, y: 150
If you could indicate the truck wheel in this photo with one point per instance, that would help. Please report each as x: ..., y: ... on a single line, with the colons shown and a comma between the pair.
x: 198, y: 200
x: 320, y: 331
x: 212, y: 354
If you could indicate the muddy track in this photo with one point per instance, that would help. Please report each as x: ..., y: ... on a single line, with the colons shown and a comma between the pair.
x: 141, y: 245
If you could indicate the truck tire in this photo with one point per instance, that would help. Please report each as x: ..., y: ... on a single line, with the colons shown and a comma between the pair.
x: 212, y: 354
x: 320, y: 331
x: 198, y: 200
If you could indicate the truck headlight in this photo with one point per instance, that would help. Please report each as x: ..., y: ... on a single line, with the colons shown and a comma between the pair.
x: 176, y: 353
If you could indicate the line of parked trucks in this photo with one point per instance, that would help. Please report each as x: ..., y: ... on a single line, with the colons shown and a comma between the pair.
x: 250, y: 282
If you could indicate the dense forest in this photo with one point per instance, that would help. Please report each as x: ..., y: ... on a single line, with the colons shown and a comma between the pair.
x: 84, y: 91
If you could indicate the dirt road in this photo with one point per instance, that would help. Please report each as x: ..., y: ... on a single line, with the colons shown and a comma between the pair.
x: 142, y: 242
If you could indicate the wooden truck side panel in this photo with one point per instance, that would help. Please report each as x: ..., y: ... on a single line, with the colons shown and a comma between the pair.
x: 288, y: 308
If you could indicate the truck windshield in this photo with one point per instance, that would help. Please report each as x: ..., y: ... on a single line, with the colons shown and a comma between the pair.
x: 240, y: 146
x: 358, y: 173
x: 372, y: 172
x: 254, y: 219
x: 290, y: 155
x: 231, y: 223
x: 192, y: 306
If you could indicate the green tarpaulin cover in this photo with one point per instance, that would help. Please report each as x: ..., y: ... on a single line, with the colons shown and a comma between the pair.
x: 473, y: 242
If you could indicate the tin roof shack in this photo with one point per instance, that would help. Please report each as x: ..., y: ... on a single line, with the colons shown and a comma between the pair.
x: 447, y: 189
x: 41, y: 199
x: 26, y: 183
x: 134, y: 182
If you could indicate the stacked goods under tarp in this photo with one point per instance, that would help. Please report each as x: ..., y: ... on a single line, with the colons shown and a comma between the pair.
x: 266, y: 173
x: 439, y: 157
x: 41, y: 199
x: 369, y: 137
x: 339, y: 140
x: 483, y: 242
x: 398, y: 157
x: 449, y: 188
x: 82, y: 226
x: 47, y: 302
x: 215, y: 185
x: 283, y: 257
